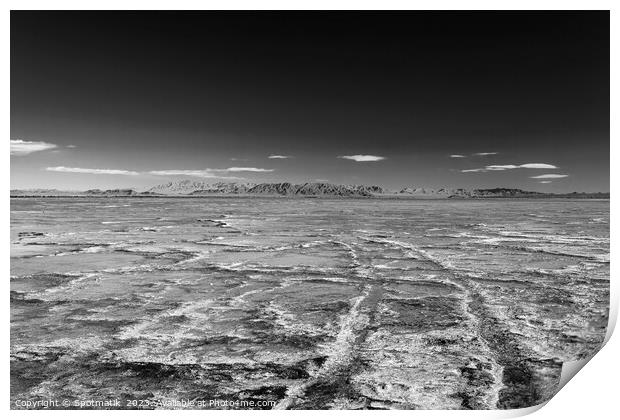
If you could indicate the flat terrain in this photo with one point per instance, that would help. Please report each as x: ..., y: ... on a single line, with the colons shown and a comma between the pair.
x: 312, y: 303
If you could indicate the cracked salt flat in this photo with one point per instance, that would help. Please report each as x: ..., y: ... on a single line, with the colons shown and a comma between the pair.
x: 326, y: 304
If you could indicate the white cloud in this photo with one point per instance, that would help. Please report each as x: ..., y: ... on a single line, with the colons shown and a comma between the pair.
x: 538, y: 166
x: 237, y: 169
x: 549, y: 176
x: 457, y: 156
x: 201, y: 173
x: 207, y: 172
x: 500, y: 167
x: 507, y: 167
x: 363, y: 158
x: 545, y: 182
x: 280, y: 157
x: 91, y: 171
x: 23, y: 147
x: 198, y: 173
x: 184, y: 172
x: 71, y: 146
x: 484, y: 154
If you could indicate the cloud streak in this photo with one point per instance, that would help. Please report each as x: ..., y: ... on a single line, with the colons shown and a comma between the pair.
x: 363, y: 158
x: 538, y: 166
x: 549, y: 176
x: 23, y: 147
x: 201, y: 173
x: 198, y: 173
x: 457, y: 156
x: 508, y: 167
x: 501, y: 167
x: 183, y: 172
x: 237, y: 169
x: 207, y: 172
x: 484, y: 154
x: 91, y: 171
x: 280, y: 157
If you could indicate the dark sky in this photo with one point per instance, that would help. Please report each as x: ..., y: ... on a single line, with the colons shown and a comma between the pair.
x: 117, y: 99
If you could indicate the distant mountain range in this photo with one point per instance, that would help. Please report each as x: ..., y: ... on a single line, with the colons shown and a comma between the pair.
x: 278, y: 189
x: 309, y: 189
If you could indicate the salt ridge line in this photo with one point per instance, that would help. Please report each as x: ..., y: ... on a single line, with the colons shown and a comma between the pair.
x: 339, y: 353
x: 492, y: 396
x: 192, y: 311
x: 344, y: 347
x: 494, y: 333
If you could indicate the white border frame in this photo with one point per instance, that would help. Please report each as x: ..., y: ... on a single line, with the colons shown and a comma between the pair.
x: 592, y: 394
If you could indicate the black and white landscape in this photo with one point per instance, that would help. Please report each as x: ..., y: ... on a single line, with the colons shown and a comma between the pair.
x: 306, y: 210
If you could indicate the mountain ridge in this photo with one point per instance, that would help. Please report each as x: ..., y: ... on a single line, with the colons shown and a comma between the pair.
x: 189, y: 188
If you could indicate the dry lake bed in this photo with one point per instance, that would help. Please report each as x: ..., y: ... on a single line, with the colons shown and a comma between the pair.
x: 307, y: 303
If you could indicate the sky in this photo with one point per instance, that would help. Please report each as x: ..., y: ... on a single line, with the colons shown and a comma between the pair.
x: 430, y: 99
